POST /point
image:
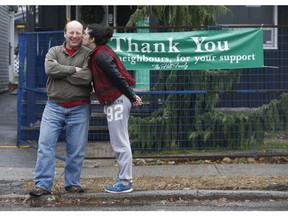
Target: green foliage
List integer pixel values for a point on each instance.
(211, 129)
(181, 118)
(190, 121)
(91, 14)
(192, 15)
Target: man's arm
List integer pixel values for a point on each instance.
(83, 76)
(55, 70)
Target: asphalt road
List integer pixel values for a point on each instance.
(8, 119)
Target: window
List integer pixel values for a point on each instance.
(254, 15)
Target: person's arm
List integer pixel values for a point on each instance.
(55, 70)
(83, 76)
(106, 63)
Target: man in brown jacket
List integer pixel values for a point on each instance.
(68, 89)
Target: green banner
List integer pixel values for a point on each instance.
(194, 50)
(142, 76)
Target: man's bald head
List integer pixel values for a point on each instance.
(73, 33)
(73, 23)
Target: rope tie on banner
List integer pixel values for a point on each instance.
(273, 67)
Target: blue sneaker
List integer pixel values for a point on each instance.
(118, 187)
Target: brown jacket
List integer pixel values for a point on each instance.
(64, 84)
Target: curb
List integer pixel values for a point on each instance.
(141, 197)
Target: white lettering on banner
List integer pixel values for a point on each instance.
(118, 47)
(146, 47)
(162, 47)
(182, 58)
(237, 58)
(209, 46)
(194, 50)
(204, 58)
(142, 58)
(171, 66)
(130, 45)
(173, 47)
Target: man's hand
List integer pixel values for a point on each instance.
(78, 69)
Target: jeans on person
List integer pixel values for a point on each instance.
(54, 118)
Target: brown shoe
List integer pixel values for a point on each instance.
(37, 191)
(74, 189)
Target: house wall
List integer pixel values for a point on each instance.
(4, 48)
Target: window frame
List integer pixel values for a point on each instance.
(271, 44)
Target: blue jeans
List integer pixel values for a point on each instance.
(54, 118)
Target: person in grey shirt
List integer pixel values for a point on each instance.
(68, 90)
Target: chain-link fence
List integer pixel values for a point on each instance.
(197, 113)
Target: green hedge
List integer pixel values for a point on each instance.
(191, 122)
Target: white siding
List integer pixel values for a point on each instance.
(4, 48)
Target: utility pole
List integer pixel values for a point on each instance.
(30, 18)
(68, 14)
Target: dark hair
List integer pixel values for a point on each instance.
(102, 34)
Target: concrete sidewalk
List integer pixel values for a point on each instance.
(14, 178)
(97, 169)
